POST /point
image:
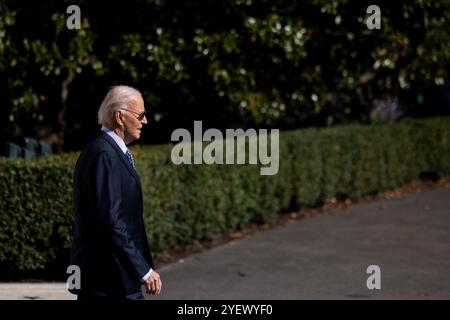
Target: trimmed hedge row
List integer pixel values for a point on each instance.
(187, 203)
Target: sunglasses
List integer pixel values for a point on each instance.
(140, 116)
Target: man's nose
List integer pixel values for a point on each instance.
(144, 120)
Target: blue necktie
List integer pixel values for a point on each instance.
(130, 158)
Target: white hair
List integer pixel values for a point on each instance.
(116, 98)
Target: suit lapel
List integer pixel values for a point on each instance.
(122, 156)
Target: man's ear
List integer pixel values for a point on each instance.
(118, 117)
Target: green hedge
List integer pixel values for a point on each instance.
(187, 203)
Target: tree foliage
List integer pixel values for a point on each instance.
(226, 62)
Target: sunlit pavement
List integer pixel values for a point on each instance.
(35, 291)
(323, 257)
(326, 256)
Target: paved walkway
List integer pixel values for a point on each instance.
(324, 257)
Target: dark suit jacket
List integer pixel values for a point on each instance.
(110, 245)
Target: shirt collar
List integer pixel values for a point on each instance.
(116, 138)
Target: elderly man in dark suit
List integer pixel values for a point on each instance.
(110, 245)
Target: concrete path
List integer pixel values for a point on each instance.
(323, 257)
(35, 291)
